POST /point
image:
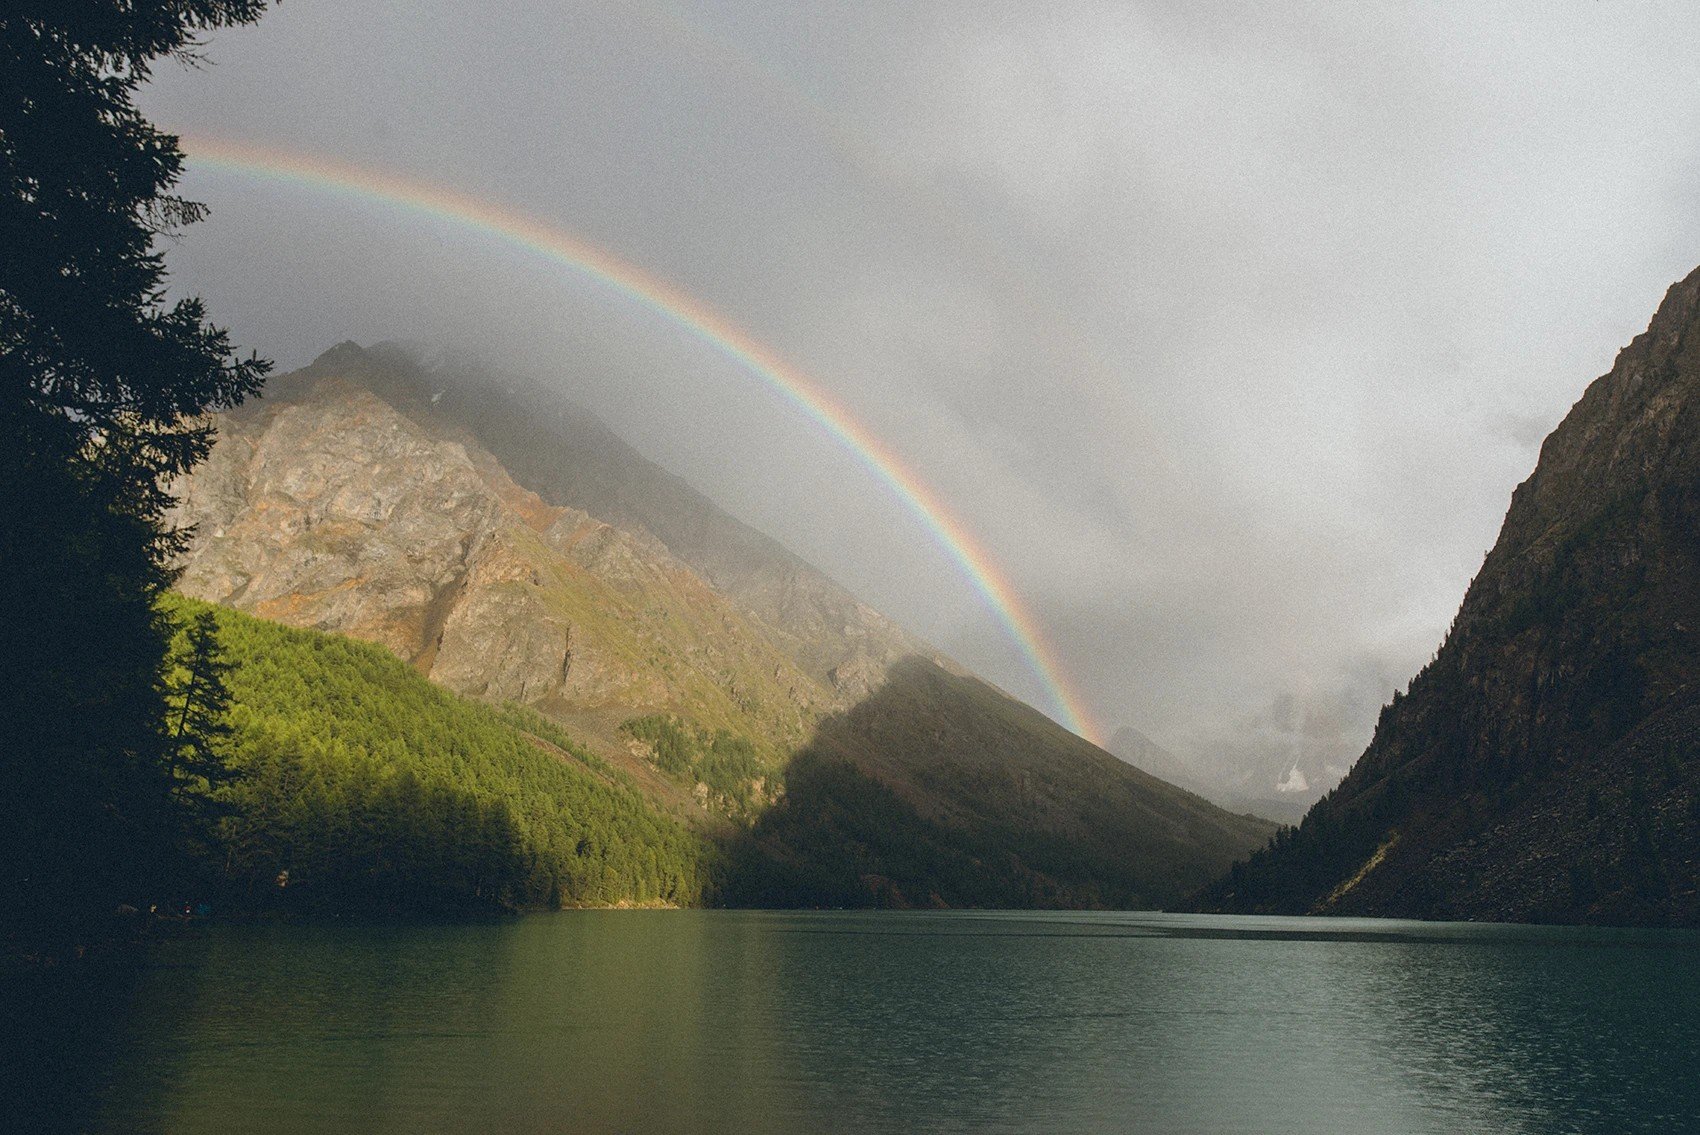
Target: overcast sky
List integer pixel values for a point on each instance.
(1228, 328)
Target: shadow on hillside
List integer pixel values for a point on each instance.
(937, 790)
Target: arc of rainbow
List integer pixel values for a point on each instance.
(516, 229)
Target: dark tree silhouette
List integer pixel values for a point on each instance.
(103, 391)
(199, 722)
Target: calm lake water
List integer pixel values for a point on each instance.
(671, 1021)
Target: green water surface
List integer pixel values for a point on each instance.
(679, 1021)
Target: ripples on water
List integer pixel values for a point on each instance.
(864, 1022)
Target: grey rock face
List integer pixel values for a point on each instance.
(337, 514)
(334, 511)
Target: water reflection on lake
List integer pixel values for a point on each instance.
(855, 1022)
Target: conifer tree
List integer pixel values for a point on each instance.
(199, 721)
(103, 390)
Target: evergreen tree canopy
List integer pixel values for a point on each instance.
(198, 719)
(103, 385)
(366, 789)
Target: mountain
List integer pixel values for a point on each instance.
(941, 790)
(509, 547)
(330, 505)
(1545, 766)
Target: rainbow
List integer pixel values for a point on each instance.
(514, 228)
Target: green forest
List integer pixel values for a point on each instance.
(358, 786)
(727, 766)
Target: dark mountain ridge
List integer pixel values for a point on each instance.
(1545, 766)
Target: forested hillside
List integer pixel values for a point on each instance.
(362, 787)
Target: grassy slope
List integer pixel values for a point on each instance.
(373, 787)
(678, 640)
(376, 789)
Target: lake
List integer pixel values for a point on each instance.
(672, 1021)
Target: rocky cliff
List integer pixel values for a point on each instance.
(1546, 764)
(512, 549)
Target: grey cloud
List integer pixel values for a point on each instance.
(1225, 327)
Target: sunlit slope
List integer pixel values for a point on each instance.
(1546, 765)
(360, 496)
(365, 788)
